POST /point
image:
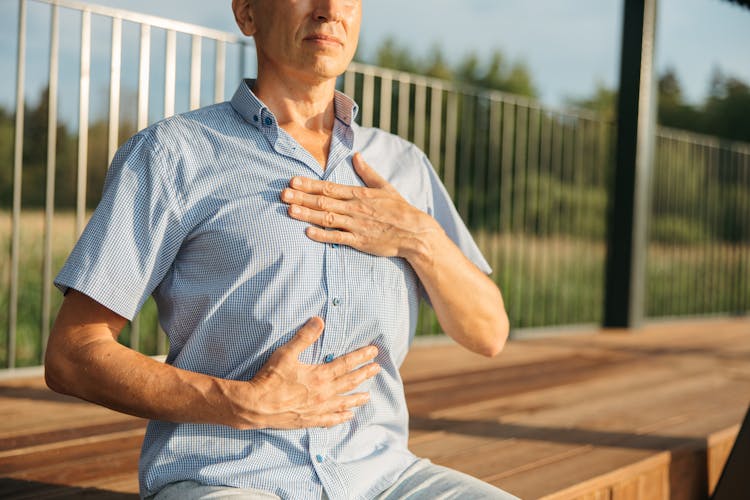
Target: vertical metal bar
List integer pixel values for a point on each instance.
(350, 83)
(567, 270)
(545, 169)
(170, 73)
(660, 203)
(144, 68)
(519, 208)
(404, 98)
(17, 179)
(195, 73)
(493, 181)
(420, 112)
(465, 166)
(114, 88)
(506, 197)
(733, 268)
(556, 177)
(530, 227)
(709, 201)
(220, 76)
(436, 125)
(368, 98)
(478, 170)
(701, 284)
(578, 232)
(241, 53)
(386, 96)
(694, 248)
(451, 121)
(675, 197)
(49, 198)
(83, 120)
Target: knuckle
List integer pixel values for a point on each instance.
(321, 203)
(329, 218)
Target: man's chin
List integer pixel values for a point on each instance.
(328, 70)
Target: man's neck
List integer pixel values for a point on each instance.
(297, 104)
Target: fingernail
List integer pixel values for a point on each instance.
(294, 209)
(286, 195)
(296, 182)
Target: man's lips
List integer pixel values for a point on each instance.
(325, 39)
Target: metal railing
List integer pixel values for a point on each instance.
(116, 18)
(531, 182)
(699, 252)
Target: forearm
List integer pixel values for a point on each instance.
(96, 368)
(468, 304)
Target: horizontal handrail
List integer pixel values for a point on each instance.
(155, 21)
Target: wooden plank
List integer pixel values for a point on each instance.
(24, 459)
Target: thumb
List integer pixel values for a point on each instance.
(368, 174)
(305, 336)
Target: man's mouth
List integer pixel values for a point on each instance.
(323, 38)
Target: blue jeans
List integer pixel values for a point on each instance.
(422, 481)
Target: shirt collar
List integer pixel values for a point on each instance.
(252, 109)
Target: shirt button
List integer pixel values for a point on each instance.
(319, 458)
(334, 245)
(336, 301)
(255, 118)
(268, 121)
(329, 358)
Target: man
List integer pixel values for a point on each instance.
(287, 273)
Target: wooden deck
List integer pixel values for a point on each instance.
(615, 415)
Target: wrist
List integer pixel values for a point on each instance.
(420, 248)
(235, 396)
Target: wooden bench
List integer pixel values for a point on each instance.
(650, 414)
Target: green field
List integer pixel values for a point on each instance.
(545, 281)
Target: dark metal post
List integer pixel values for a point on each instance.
(631, 194)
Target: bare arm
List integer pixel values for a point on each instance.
(377, 220)
(85, 360)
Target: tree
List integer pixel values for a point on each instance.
(495, 74)
(673, 110)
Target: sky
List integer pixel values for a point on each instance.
(569, 47)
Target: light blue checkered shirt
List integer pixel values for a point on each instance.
(191, 214)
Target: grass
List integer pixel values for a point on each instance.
(545, 282)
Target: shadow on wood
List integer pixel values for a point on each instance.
(17, 489)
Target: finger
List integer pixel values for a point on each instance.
(339, 403)
(369, 175)
(325, 188)
(352, 380)
(305, 336)
(349, 361)
(322, 218)
(315, 201)
(338, 237)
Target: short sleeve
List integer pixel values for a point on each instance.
(441, 208)
(133, 235)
